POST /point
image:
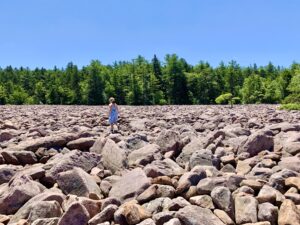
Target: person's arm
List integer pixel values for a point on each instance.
(110, 108)
(118, 110)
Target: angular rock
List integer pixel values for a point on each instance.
(77, 182)
(195, 215)
(131, 213)
(19, 157)
(147, 222)
(144, 155)
(223, 216)
(166, 167)
(173, 221)
(24, 211)
(288, 213)
(204, 201)
(245, 209)
(113, 157)
(257, 142)
(177, 203)
(64, 162)
(169, 140)
(291, 163)
(157, 205)
(17, 192)
(76, 214)
(47, 221)
(293, 182)
(7, 172)
(83, 144)
(267, 194)
(106, 214)
(202, 157)
(130, 185)
(45, 209)
(52, 141)
(268, 212)
(163, 217)
(222, 198)
(189, 179)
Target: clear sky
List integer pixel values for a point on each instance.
(38, 33)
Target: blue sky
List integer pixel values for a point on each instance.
(38, 33)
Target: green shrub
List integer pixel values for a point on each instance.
(236, 100)
(292, 98)
(224, 98)
(291, 106)
(162, 102)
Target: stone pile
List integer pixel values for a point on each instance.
(172, 165)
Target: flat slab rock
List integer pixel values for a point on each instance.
(130, 185)
(195, 215)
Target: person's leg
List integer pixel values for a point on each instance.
(111, 127)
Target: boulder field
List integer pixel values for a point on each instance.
(172, 165)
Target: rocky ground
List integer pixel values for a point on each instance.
(172, 165)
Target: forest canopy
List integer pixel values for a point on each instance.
(144, 82)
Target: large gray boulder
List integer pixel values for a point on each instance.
(257, 142)
(64, 162)
(113, 157)
(76, 214)
(83, 144)
(45, 209)
(17, 192)
(58, 140)
(291, 163)
(144, 155)
(288, 142)
(245, 209)
(24, 211)
(222, 198)
(130, 185)
(166, 167)
(268, 212)
(195, 215)
(7, 172)
(19, 157)
(169, 140)
(77, 182)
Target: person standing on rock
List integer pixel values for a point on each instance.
(113, 114)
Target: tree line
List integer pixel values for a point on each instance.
(143, 82)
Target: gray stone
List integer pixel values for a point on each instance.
(268, 212)
(17, 192)
(166, 167)
(64, 162)
(106, 214)
(130, 185)
(222, 198)
(195, 215)
(245, 209)
(257, 142)
(76, 214)
(144, 155)
(77, 182)
(113, 157)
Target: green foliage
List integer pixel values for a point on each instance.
(143, 82)
(290, 106)
(236, 100)
(294, 88)
(224, 99)
(18, 96)
(2, 95)
(253, 90)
